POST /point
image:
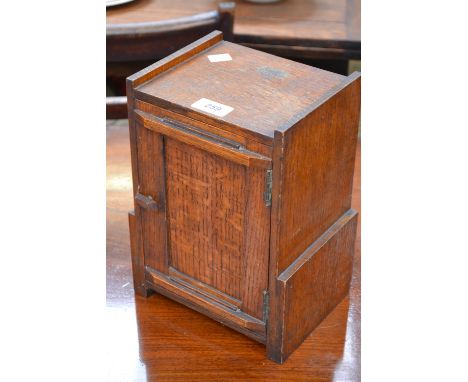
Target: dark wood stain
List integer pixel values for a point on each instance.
(316, 28)
(321, 33)
(143, 39)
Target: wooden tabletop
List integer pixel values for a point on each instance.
(274, 94)
(156, 339)
(306, 28)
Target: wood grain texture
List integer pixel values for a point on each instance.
(151, 174)
(206, 216)
(192, 297)
(247, 141)
(138, 263)
(201, 139)
(213, 185)
(218, 222)
(204, 289)
(256, 248)
(135, 226)
(272, 90)
(173, 59)
(212, 242)
(146, 338)
(317, 161)
(321, 33)
(312, 286)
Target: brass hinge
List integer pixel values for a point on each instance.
(266, 305)
(268, 187)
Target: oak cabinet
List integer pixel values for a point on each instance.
(242, 175)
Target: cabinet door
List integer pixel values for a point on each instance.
(205, 217)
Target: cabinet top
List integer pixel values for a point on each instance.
(234, 86)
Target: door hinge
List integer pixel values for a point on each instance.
(268, 187)
(266, 305)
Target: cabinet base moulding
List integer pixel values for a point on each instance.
(305, 293)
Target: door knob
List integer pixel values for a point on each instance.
(146, 202)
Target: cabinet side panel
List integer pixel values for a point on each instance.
(317, 282)
(318, 162)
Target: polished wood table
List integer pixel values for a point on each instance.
(157, 339)
(324, 33)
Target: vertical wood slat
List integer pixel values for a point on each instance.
(137, 248)
(274, 324)
(151, 182)
(256, 249)
(138, 266)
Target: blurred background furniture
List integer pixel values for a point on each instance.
(134, 42)
(116, 107)
(323, 33)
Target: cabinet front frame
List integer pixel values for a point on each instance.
(246, 313)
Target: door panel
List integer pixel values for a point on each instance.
(211, 231)
(206, 210)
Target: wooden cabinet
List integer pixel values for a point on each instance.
(242, 174)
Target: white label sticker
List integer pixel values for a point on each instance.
(219, 57)
(212, 107)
